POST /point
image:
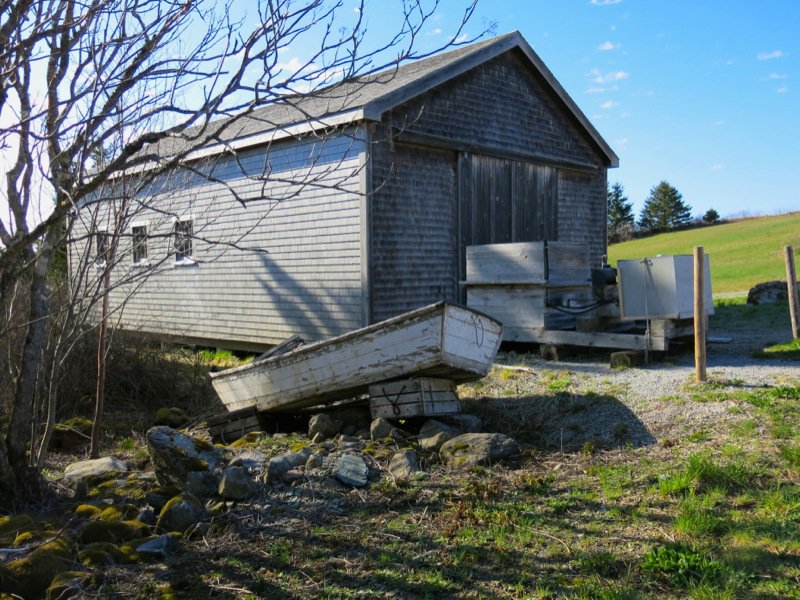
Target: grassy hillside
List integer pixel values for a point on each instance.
(742, 253)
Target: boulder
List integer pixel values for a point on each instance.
(252, 461)
(769, 292)
(404, 465)
(471, 449)
(434, 442)
(236, 484)
(380, 429)
(89, 472)
(171, 416)
(31, 575)
(113, 531)
(180, 513)
(315, 461)
(352, 470)
(184, 462)
(160, 547)
(434, 426)
(463, 422)
(283, 463)
(69, 584)
(71, 434)
(325, 425)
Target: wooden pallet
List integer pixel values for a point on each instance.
(418, 397)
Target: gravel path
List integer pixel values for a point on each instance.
(646, 405)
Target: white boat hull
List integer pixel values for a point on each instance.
(441, 340)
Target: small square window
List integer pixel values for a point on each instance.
(183, 241)
(139, 234)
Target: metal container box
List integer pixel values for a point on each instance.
(661, 287)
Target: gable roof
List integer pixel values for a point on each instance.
(371, 96)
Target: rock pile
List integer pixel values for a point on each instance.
(124, 516)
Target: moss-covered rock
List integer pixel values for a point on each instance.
(113, 531)
(71, 434)
(158, 497)
(69, 584)
(100, 554)
(171, 416)
(11, 527)
(88, 511)
(26, 538)
(249, 440)
(180, 513)
(184, 461)
(119, 512)
(31, 575)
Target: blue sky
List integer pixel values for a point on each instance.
(703, 94)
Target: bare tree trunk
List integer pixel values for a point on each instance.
(24, 481)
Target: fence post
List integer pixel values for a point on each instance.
(791, 283)
(699, 314)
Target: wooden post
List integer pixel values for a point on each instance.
(791, 283)
(699, 314)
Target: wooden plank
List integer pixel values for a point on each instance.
(520, 262)
(413, 398)
(577, 338)
(567, 261)
(285, 346)
(514, 306)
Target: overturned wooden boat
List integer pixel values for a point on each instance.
(441, 340)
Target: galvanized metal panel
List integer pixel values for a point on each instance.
(661, 287)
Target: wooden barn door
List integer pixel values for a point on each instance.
(503, 201)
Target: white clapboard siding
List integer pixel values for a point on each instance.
(438, 340)
(286, 261)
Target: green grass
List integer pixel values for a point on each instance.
(742, 253)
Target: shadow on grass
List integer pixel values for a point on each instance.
(564, 422)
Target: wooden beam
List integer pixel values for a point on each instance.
(624, 341)
(427, 140)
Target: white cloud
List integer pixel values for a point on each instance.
(604, 2)
(777, 76)
(608, 104)
(719, 123)
(460, 39)
(601, 79)
(783, 89)
(602, 90)
(716, 167)
(621, 141)
(435, 31)
(770, 55)
(607, 45)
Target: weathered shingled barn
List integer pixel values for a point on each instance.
(374, 192)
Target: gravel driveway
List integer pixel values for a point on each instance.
(642, 406)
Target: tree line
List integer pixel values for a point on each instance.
(664, 210)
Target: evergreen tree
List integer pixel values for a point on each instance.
(620, 214)
(664, 209)
(711, 216)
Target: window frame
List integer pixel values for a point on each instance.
(136, 260)
(180, 244)
(101, 247)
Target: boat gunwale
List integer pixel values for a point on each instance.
(442, 306)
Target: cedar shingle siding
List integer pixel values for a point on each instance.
(479, 145)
